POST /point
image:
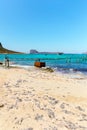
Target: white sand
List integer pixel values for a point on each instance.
(35, 99)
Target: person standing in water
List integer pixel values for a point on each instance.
(6, 62)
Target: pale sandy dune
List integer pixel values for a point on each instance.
(34, 99)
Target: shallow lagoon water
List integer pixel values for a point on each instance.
(64, 62)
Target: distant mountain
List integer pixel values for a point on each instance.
(4, 50)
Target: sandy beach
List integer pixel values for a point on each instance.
(36, 99)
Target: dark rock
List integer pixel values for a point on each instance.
(49, 69)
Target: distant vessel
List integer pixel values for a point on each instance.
(60, 53)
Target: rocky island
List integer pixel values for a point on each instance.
(33, 51)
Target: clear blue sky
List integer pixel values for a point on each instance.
(45, 25)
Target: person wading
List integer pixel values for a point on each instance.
(6, 62)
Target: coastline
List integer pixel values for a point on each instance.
(36, 99)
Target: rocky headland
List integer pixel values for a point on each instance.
(7, 51)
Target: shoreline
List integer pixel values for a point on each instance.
(36, 99)
(70, 72)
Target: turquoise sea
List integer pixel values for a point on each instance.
(64, 62)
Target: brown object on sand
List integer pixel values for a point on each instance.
(39, 64)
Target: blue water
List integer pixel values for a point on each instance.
(77, 62)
